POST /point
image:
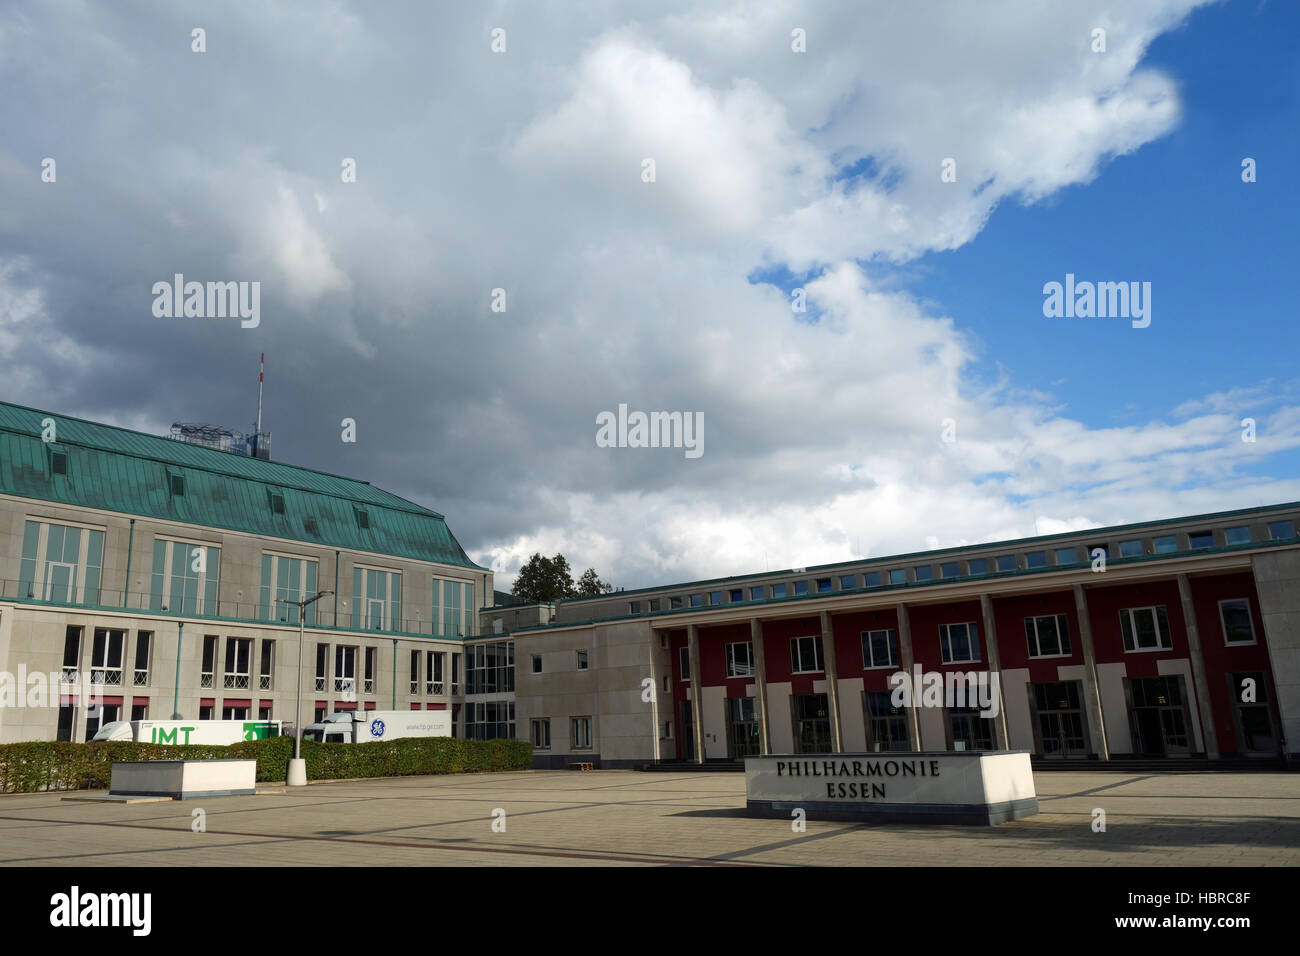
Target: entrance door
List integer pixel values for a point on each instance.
(60, 580)
(688, 731)
(742, 728)
(812, 723)
(1158, 716)
(1058, 707)
(375, 614)
(886, 724)
(1256, 734)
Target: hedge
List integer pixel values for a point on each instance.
(58, 765)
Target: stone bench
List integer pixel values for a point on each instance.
(183, 779)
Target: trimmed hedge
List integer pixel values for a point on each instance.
(58, 765)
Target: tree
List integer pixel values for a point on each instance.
(544, 579)
(589, 585)
(550, 579)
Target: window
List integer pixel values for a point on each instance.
(697, 600)
(266, 666)
(208, 674)
(715, 597)
(140, 711)
(806, 654)
(959, 642)
(363, 519)
(415, 672)
(1145, 629)
(455, 673)
(491, 667)
(376, 600)
(1166, 544)
(898, 576)
(106, 657)
(177, 485)
(1281, 530)
(371, 666)
(823, 584)
(873, 579)
(453, 608)
(778, 590)
(580, 733)
(277, 501)
(60, 563)
(758, 593)
(634, 607)
(923, 572)
(184, 577)
(59, 462)
(143, 644)
(1201, 539)
(286, 578)
(106, 714)
(740, 659)
(1130, 549)
(582, 660)
(537, 663)
(205, 712)
(239, 653)
(1237, 625)
(654, 604)
(1006, 562)
(1048, 636)
(684, 660)
(71, 656)
(1036, 559)
(345, 670)
(950, 570)
(879, 648)
(1103, 548)
(801, 587)
(979, 566)
(234, 712)
(490, 720)
(1067, 555)
(322, 665)
(848, 582)
(737, 595)
(674, 602)
(1237, 535)
(541, 734)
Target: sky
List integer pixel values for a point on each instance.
(913, 175)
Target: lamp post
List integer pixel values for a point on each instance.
(298, 766)
(176, 693)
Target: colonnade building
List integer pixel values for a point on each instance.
(1164, 638)
(154, 573)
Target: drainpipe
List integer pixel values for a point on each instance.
(130, 541)
(394, 673)
(176, 694)
(336, 589)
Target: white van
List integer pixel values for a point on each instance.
(358, 726)
(215, 732)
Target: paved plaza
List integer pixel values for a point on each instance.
(620, 817)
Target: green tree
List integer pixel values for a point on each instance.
(544, 579)
(589, 585)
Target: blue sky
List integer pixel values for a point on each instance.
(1222, 255)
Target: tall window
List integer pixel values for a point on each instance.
(1237, 625)
(880, 648)
(490, 720)
(239, 653)
(415, 672)
(1145, 629)
(433, 681)
(490, 668)
(266, 668)
(580, 733)
(684, 662)
(453, 608)
(376, 600)
(806, 654)
(184, 577)
(143, 645)
(959, 642)
(740, 659)
(1048, 636)
(208, 674)
(542, 734)
(345, 669)
(71, 656)
(322, 665)
(372, 665)
(106, 657)
(60, 563)
(286, 579)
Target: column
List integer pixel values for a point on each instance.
(1091, 688)
(906, 659)
(760, 682)
(832, 683)
(697, 691)
(1198, 669)
(995, 671)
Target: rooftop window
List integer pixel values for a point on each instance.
(1130, 549)
(1201, 539)
(924, 573)
(1237, 535)
(1281, 530)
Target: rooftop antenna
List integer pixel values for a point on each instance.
(261, 371)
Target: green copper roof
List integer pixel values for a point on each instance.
(114, 469)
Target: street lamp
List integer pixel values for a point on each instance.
(298, 766)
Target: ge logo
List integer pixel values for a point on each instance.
(376, 728)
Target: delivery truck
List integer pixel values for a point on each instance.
(358, 727)
(214, 732)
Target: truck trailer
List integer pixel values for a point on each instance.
(357, 727)
(214, 732)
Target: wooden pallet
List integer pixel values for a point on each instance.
(582, 766)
